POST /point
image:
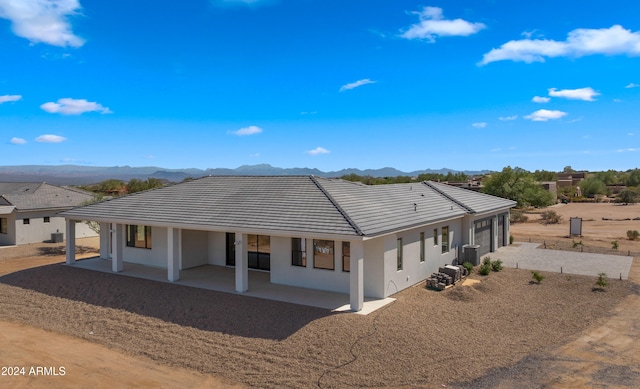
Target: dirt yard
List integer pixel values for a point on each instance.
(501, 332)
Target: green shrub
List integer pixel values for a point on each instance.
(468, 266)
(485, 269)
(537, 276)
(578, 243)
(510, 239)
(486, 261)
(602, 281)
(614, 245)
(632, 235)
(496, 265)
(550, 217)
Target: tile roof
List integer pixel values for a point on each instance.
(473, 201)
(305, 204)
(33, 196)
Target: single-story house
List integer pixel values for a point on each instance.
(29, 211)
(306, 231)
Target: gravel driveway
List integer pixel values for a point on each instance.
(532, 256)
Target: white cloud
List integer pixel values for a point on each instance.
(540, 99)
(580, 42)
(317, 151)
(251, 130)
(632, 85)
(508, 118)
(48, 138)
(43, 21)
(356, 84)
(69, 106)
(617, 100)
(629, 150)
(585, 94)
(17, 141)
(479, 125)
(630, 134)
(543, 115)
(9, 98)
(308, 113)
(432, 24)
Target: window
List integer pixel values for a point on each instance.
(346, 256)
(399, 253)
(3, 225)
(422, 247)
(299, 252)
(323, 254)
(259, 250)
(435, 236)
(26, 221)
(445, 239)
(47, 219)
(231, 249)
(139, 236)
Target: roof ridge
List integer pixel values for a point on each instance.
(449, 197)
(335, 204)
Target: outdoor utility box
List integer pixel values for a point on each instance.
(471, 253)
(56, 237)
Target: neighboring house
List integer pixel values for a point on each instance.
(28, 211)
(307, 231)
(570, 179)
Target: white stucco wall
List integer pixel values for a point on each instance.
(195, 248)
(38, 231)
(217, 248)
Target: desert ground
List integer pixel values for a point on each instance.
(503, 331)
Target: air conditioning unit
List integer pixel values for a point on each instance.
(471, 253)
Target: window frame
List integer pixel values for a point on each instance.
(422, 247)
(46, 219)
(4, 225)
(445, 242)
(133, 234)
(299, 247)
(346, 258)
(435, 237)
(399, 254)
(26, 220)
(332, 247)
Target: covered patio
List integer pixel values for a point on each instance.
(222, 279)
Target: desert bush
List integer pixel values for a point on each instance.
(510, 239)
(632, 234)
(578, 243)
(485, 269)
(486, 260)
(602, 282)
(537, 276)
(468, 266)
(518, 217)
(550, 217)
(614, 245)
(496, 265)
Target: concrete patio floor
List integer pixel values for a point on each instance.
(222, 279)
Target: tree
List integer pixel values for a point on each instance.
(627, 196)
(545, 175)
(137, 185)
(93, 225)
(633, 178)
(592, 186)
(519, 185)
(568, 169)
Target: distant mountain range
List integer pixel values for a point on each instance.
(82, 175)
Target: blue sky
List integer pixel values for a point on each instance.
(327, 84)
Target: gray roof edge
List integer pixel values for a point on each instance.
(338, 207)
(448, 197)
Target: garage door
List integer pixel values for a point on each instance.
(483, 235)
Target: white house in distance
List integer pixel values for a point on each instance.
(28, 211)
(306, 231)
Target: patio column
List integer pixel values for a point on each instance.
(356, 275)
(118, 244)
(105, 234)
(173, 254)
(242, 264)
(71, 241)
